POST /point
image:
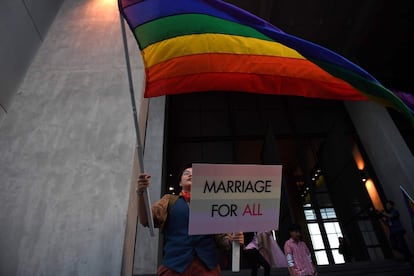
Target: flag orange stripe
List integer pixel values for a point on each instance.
(260, 66)
(246, 64)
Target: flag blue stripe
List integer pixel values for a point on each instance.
(149, 10)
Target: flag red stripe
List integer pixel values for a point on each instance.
(253, 83)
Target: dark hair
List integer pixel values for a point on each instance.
(294, 227)
(182, 169)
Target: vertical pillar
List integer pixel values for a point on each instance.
(388, 153)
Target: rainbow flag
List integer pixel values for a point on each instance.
(210, 45)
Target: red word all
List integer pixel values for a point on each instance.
(253, 210)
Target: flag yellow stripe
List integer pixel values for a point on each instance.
(213, 43)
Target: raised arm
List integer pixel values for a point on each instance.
(142, 184)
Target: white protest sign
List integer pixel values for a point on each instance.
(234, 198)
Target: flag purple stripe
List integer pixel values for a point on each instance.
(406, 97)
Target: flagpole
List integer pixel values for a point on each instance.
(406, 193)
(138, 136)
(235, 257)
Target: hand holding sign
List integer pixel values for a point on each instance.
(238, 237)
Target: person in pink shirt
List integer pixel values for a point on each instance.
(298, 255)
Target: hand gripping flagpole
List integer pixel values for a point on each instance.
(138, 136)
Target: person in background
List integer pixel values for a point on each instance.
(264, 251)
(183, 254)
(345, 249)
(298, 255)
(254, 257)
(396, 231)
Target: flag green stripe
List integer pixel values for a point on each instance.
(367, 87)
(187, 24)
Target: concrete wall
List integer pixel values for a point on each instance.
(23, 26)
(66, 149)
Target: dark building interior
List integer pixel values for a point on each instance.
(313, 139)
(374, 34)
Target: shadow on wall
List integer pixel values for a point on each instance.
(25, 38)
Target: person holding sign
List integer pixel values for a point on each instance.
(297, 254)
(183, 254)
